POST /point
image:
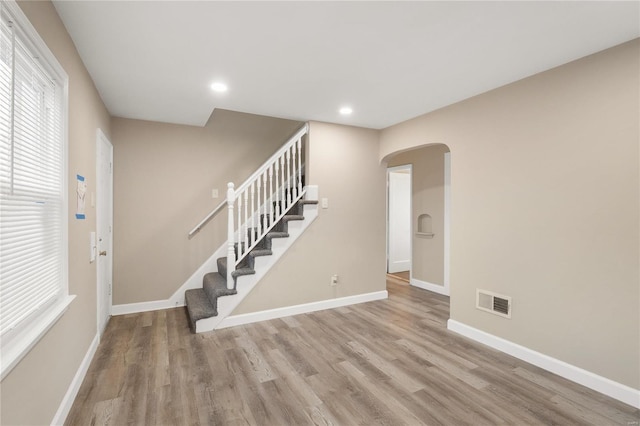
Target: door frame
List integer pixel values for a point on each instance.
(447, 222)
(102, 142)
(389, 171)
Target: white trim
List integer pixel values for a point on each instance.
(436, 288)
(447, 221)
(615, 390)
(74, 386)
(304, 308)
(21, 344)
(134, 308)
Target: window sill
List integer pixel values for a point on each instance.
(20, 346)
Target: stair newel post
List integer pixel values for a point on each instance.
(299, 166)
(231, 254)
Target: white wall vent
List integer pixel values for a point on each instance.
(493, 303)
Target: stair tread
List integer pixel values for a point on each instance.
(215, 285)
(308, 201)
(242, 271)
(277, 234)
(260, 252)
(289, 217)
(198, 306)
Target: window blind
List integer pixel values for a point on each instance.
(31, 181)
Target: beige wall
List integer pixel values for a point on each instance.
(427, 188)
(32, 392)
(545, 199)
(347, 239)
(163, 177)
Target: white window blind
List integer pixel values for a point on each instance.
(32, 168)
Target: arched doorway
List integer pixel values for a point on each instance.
(430, 215)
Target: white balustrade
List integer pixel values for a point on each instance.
(261, 201)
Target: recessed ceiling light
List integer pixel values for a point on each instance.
(346, 110)
(219, 87)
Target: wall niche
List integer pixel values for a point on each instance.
(425, 226)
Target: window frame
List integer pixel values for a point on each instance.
(16, 343)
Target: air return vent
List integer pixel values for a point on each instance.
(494, 303)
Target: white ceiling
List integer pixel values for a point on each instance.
(390, 61)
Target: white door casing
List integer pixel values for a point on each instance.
(399, 219)
(104, 224)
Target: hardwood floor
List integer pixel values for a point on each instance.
(402, 276)
(388, 362)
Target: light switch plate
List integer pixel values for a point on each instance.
(214, 193)
(325, 203)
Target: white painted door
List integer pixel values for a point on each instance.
(104, 224)
(399, 239)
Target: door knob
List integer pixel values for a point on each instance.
(103, 253)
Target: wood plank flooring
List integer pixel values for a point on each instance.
(389, 362)
(402, 276)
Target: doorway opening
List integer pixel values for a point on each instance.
(399, 221)
(428, 221)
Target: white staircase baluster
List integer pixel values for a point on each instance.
(246, 220)
(271, 207)
(253, 214)
(231, 255)
(239, 238)
(288, 186)
(294, 182)
(264, 205)
(283, 208)
(277, 205)
(256, 213)
(298, 144)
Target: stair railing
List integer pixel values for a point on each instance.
(261, 201)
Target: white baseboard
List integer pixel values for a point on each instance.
(440, 289)
(304, 308)
(615, 390)
(74, 387)
(134, 308)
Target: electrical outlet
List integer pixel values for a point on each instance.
(334, 280)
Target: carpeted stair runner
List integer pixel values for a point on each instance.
(203, 302)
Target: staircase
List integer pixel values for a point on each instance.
(266, 204)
